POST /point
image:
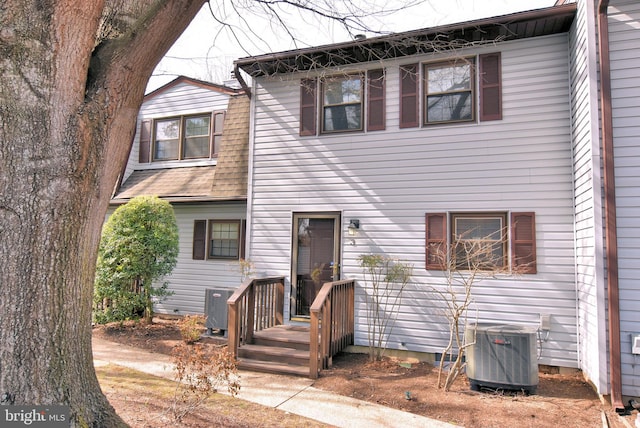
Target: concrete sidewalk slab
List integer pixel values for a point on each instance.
(287, 393)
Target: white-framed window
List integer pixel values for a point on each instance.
(224, 239)
(479, 240)
(184, 137)
(218, 239)
(342, 103)
(197, 137)
(449, 89)
(166, 142)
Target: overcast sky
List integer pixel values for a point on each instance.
(206, 50)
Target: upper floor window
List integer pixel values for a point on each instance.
(196, 137)
(346, 102)
(460, 90)
(182, 137)
(448, 92)
(167, 139)
(342, 103)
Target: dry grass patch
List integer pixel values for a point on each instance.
(143, 401)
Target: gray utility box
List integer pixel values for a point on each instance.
(215, 309)
(503, 357)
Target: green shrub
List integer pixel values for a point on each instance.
(139, 246)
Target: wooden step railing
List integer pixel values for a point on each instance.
(257, 305)
(332, 324)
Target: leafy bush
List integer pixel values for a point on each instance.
(139, 246)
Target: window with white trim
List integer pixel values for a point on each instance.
(479, 241)
(181, 137)
(342, 98)
(218, 239)
(449, 92)
(224, 239)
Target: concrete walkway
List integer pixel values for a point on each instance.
(287, 393)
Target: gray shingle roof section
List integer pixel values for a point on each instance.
(169, 182)
(233, 160)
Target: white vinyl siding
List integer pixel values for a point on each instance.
(590, 278)
(624, 32)
(390, 179)
(191, 278)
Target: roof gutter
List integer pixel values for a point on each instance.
(611, 235)
(426, 40)
(186, 199)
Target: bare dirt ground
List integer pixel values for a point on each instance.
(560, 400)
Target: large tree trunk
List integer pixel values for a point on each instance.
(72, 78)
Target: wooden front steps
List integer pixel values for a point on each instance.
(258, 341)
(282, 349)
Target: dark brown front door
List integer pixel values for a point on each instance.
(315, 257)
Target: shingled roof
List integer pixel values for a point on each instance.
(169, 183)
(233, 161)
(225, 181)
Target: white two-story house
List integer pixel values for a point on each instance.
(405, 144)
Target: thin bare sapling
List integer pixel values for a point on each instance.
(385, 280)
(466, 261)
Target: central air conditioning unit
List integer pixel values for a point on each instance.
(216, 309)
(503, 357)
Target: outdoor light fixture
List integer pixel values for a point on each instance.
(354, 225)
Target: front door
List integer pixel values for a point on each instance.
(316, 255)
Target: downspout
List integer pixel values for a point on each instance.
(611, 235)
(243, 84)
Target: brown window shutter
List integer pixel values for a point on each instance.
(436, 241)
(199, 239)
(409, 96)
(243, 238)
(523, 242)
(145, 141)
(376, 101)
(490, 87)
(308, 107)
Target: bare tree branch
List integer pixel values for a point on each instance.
(286, 15)
(466, 262)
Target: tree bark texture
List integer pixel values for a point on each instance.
(72, 78)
